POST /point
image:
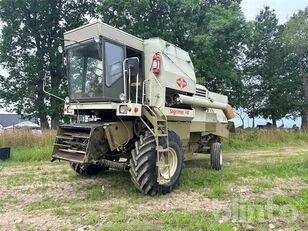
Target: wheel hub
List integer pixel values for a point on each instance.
(169, 162)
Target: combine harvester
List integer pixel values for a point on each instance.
(137, 108)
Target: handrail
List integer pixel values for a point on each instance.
(124, 78)
(153, 113)
(129, 79)
(143, 89)
(161, 87)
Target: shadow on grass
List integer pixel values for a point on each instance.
(198, 162)
(109, 185)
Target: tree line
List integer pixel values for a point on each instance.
(261, 65)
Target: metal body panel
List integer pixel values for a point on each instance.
(93, 106)
(176, 70)
(183, 130)
(97, 29)
(118, 133)
(177, 114)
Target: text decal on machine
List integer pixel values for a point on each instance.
(181, 83)
(178, 112)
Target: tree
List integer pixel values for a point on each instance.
(28, 50)
(213, 31)
(168, 19)
(272, 83)
(217, 43)
(296, 38)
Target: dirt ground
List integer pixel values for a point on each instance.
(50, 196)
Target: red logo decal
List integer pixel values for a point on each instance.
(181, 83)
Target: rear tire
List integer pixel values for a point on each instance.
(87, 170)
(216, 156)
(143, 168)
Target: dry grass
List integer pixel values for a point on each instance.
(27, 145)
(24, 138)
(256, 138)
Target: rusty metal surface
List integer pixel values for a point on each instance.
(88, 142)
(80, 142)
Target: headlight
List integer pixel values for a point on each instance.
(122, 97)
(123, 109)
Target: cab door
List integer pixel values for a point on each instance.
(114, 55)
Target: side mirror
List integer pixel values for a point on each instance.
(133, 65)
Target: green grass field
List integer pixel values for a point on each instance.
(32, 147)
(262, 186)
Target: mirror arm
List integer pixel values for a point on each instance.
(48, 93)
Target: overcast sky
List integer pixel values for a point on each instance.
(284, 9)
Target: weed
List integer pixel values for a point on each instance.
(92, 219)
(281, 200)
(117, 208)
(59, 211)
(6, 200)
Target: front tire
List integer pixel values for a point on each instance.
(143, 168)
(216, 156)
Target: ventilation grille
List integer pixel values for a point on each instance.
(201, 92)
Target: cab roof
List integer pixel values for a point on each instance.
(96, 29)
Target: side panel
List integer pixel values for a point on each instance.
(176, 71)
(182, 129)
(207, 122)
(119, 133)
(178, 114)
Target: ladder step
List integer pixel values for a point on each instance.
(68, 157)
(68, 142)
(72, 151)
(78, 135)
(64, 137)
(62, 145)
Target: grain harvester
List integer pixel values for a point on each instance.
(136, 107)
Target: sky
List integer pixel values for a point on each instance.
(284, 10)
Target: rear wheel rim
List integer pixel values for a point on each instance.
(168, 158)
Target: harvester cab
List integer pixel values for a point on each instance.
(136, 107)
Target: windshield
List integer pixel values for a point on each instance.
(85, 71)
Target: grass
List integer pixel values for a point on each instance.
(87, 205)
(24, 138)
(110, 201)
(255, 138)
(259, 176)
(172, 220)
(28, 146)
(7, 200)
